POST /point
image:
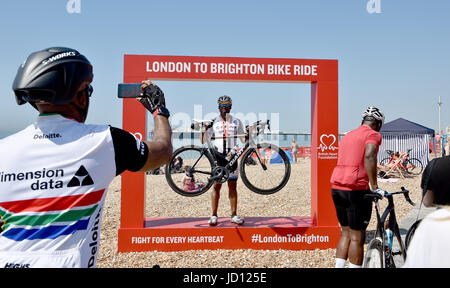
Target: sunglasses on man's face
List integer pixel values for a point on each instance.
(88, 90)
(225, 106)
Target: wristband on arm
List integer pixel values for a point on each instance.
(163, 111)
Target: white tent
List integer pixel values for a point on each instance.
(401, 135)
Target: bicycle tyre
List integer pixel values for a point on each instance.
(374, 254)
(413, 166)
(410, 233)
(250, 176)
(174, 177)
(385, 161)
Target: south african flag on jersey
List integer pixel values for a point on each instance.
(47, 218)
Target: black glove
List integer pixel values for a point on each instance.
(152, 98)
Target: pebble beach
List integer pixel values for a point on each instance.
(292, 200)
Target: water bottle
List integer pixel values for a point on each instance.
(390, 235)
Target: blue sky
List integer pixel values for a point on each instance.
(397, 60)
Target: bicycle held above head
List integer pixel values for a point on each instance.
(264, 167)
(401, 160)
(382, 249)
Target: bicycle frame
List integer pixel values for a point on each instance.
(249, 141)
(392, 225)
(405, 157)
(403, 165)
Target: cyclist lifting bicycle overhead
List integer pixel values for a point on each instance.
(225, 128)
(207, 166)
(355, 176)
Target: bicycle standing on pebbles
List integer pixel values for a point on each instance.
(382, 250)
(264, 167)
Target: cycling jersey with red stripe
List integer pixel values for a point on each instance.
(53, 180)
(224, 132)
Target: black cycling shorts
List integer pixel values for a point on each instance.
(352, 209)
(221, 161)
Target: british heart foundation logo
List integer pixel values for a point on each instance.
(328, 144)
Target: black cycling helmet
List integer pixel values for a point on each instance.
(52, 75)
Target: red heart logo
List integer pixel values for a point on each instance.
(327, 140)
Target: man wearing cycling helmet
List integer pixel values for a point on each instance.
(55, 172)
(355, 176)
(429, 246)
(225, 129)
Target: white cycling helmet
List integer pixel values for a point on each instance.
(373, 112)
(224, 99)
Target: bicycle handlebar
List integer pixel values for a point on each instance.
(258, 126)
(198, 124)
(404, 192)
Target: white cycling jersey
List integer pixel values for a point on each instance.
(224, 132)
(53, 180)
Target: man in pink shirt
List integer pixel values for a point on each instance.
(355, 176)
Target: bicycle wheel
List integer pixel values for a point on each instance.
(374, 254)
(385, 161)
(413, 166)
(192, 179)
(410, 233)
(265, 169)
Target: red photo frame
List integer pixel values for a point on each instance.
(318, 231)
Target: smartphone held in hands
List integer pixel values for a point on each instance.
(129, 90)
